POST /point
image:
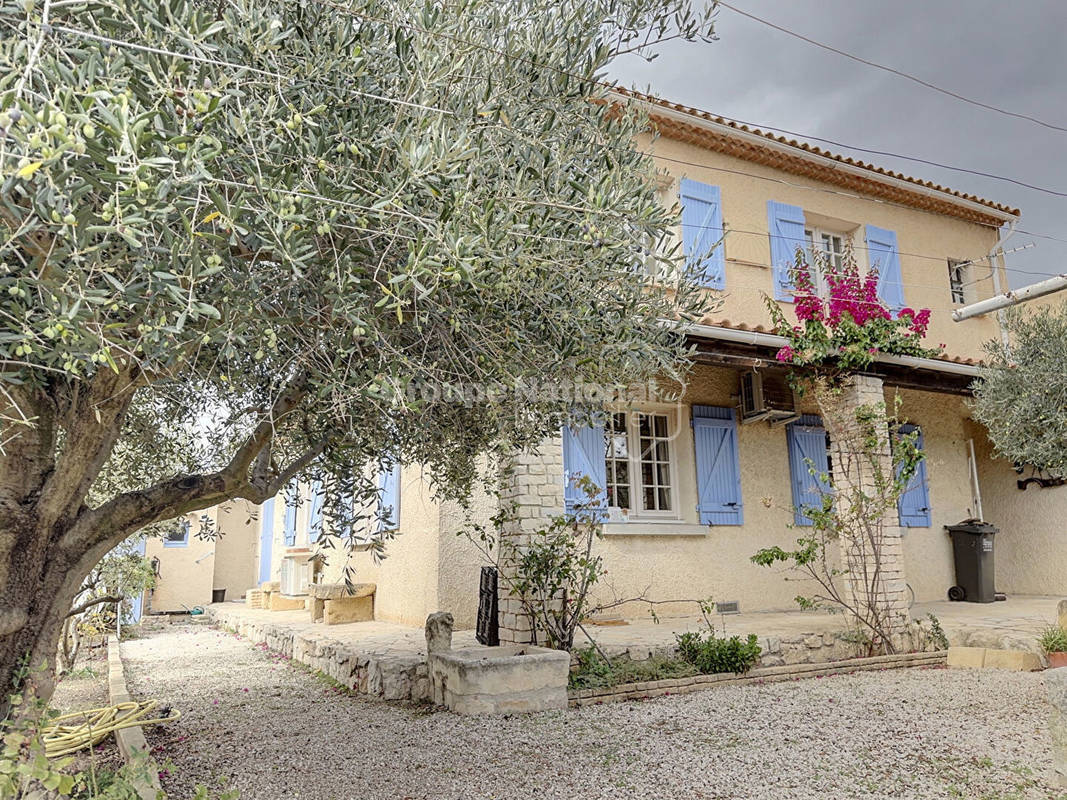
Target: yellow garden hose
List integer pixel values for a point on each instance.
(72, 732)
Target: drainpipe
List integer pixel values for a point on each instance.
(975, 485)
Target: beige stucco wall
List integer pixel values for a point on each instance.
(1031, 548)
(747, 243)
(236, 548)
(407, 576)
(461, 557)
(186, 574)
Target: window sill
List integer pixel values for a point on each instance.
(648, 527)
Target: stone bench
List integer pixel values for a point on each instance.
(334, 603)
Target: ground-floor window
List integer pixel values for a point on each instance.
(638, 461)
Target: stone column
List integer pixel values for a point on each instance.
(534, 490)
(851, 470)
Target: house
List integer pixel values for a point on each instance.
(192, 567)
(696, 487)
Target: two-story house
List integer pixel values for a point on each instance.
(695, 487)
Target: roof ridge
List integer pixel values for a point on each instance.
(814, 150)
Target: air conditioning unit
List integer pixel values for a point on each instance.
(296, 574)
(767, 396)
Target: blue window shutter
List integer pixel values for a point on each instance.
(786, 224)
(807, 443)
(583, 454)
(702, 232)
(883, 256)
(315, 515)
(389, 498)
(913, 507)
(718, 466)
(291, 500)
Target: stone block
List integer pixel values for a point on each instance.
(438, 632)
(286, 602)
(500, 680)
(966, 657)
(348, 609)
(1012, 659)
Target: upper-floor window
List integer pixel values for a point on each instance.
(827, 252)
(958, 273)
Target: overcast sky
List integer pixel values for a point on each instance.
(1011, 55)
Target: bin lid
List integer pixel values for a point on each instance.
(975, 526)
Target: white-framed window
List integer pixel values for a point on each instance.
(178, 537)
(640, 463)
(827, 251)
(958, 275)
(617, 461)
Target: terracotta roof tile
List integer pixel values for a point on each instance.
(899, 194)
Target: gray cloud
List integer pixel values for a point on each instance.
(1009, 55)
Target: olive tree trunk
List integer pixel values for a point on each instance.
(51, 538)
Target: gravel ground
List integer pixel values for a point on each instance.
(82, 690)
(254, 722)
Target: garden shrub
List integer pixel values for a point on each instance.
(594, 672)
(711, 655)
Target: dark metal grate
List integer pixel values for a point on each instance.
(488, 632)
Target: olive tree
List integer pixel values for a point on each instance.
(251, 241)
(1020, 397)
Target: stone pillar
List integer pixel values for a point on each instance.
(438, 632)
(533, 489)
(1056, 685)
(848, 437)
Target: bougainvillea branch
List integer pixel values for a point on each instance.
(843, 328)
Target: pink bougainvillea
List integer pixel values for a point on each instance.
(845, 326)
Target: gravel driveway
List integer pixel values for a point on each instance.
(255, 723)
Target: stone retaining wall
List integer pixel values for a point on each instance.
(403, 676)
(696, 683)
(777, 651)
(387, 676)
(131, 741)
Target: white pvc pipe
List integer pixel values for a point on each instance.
(1011, 298)
(977, 489)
